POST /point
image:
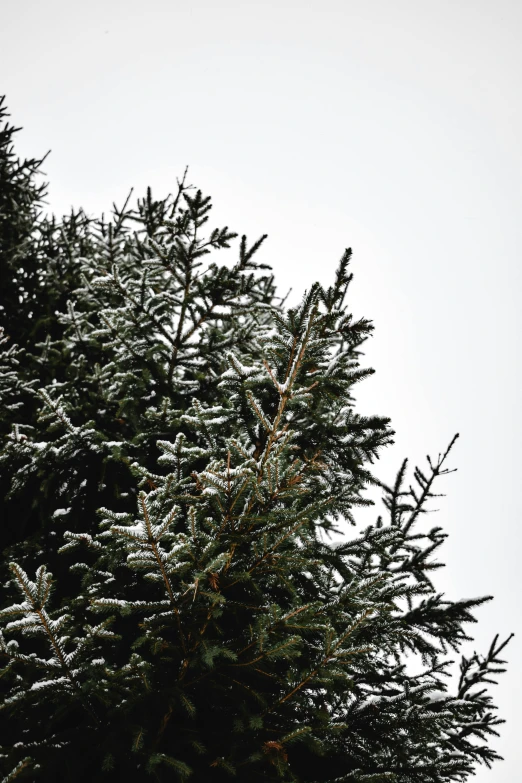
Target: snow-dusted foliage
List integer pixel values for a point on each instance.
(179, 467)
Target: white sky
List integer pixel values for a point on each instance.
(392, 127)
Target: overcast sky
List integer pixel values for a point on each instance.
(392, 127)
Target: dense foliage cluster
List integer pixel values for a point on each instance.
(179, 447)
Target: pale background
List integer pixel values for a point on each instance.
(392, 127)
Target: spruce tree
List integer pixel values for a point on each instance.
(36, 267)
(182, 446)
(38, 272)
(20, 197)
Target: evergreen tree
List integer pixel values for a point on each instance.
(20, 197)
(38, 272)
(181, 447)
(37, 268)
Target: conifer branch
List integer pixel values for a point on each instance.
(264, 632)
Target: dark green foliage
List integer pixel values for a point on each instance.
(38, 268)
(179, 448)
(20, 198)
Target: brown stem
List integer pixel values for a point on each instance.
(166, 580)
